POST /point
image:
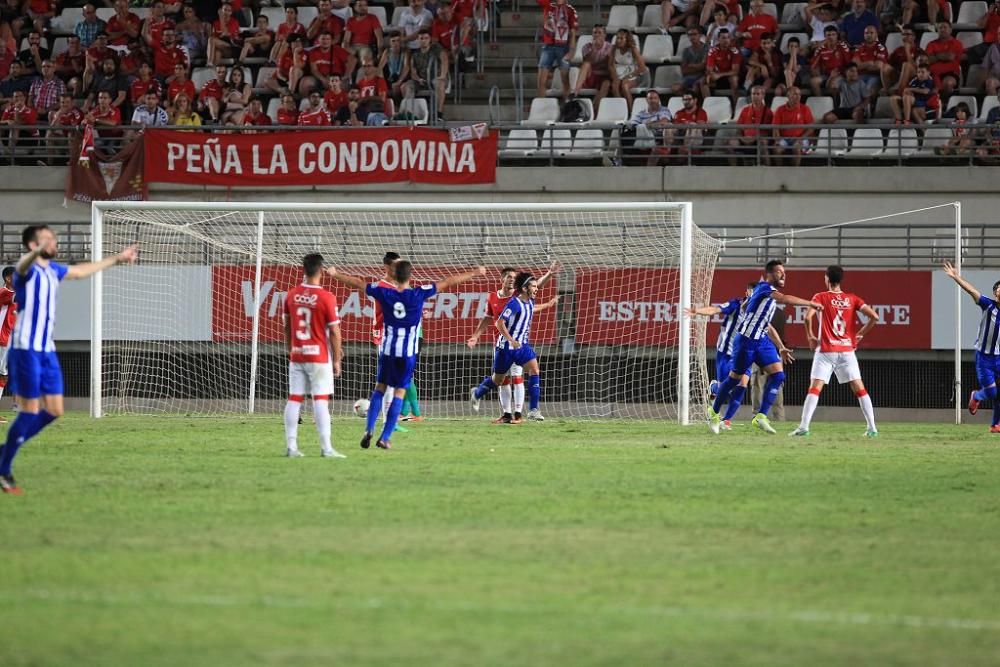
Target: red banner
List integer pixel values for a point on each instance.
(629, 306)
(97, 176)
(329, 157)
(449, 317)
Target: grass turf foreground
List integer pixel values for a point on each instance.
(143, 541)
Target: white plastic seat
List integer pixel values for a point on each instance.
(652, 19)
(587, 144)
(819, 105)
(275, 16)
(520, 143)
(970, 38)
(416, 106)
(934, 137)
(202, 75)
(778, 101)
(555, 142)
(718, 109)
(969, 13)
(902, 142)
(105, 13)
(613, 110)
(272, 109)
(66, 20)
(379, 12)
(866, 142)
(831, 142)
(639, 104)
(893, 41)
(588, 105)
(665, 78)
(803, 41)
(772, 9)
(59, 45)
(988, 103)
(397, 12)
(622, 16)
(658, 49)
(740, 103)
(970, 100)
(307, 14)
(675, 104)
(791, 16)
(263, 74)
(883, 108)
(544, 110)
(580, 43)
(926, 38)
(683, 42)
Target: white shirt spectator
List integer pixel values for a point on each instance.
(143, 116)
(643, 116)
(411, 23)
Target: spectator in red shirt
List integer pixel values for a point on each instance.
(751, 139)
(989, 23)
(104, 116)
(258, 43)
(124, 26)
(286, 29)
(40, 12)
(690, 114)
(325, 22)
(374, 90)
(167, 56)
(99, 51)
(912, 10)
(324, 60)
(255, 116)
(210, 95)
(290, 67)
(155, 25)
(7, 56)
(225, 38)
(336, 96)
(559, 31)
(70, 65)
(828, 61)
(872, 59)
(18, 113)
(595, 68)
(444, 29)
(314, 114)
(765, 67)
(180, 83)
(945, 55)
(363, 33)
(143, 84)
(137, 54)
(722, 67)
(288, 112)
(904, 59)
(754, 26)
(65, 116)
(794, 139)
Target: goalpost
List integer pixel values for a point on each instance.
(195, 327)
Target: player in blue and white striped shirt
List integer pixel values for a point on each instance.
(402, 312)
(752, 344)
(514, 325)
(731, 313)
(987, 345)
(35, 377)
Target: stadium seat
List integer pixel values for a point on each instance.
(777, 101)
(926, 38)
(580, 43)
(803, 40)
(867, 142)
(969, 100)
(639, 104)
(613, 111)
(24, 43)
(740, 103)
(64, 22)
(272, 109)
(819, 105)
(555, 142)
(275, 16)
(544, 111)
(652, 19)
(202, 75)
(263, 74)
(969, 13)
(416, 106)
(105, 13)
(587, 144)
(307, 14)
(683, 43)
(665, 78)
(397, 12)
(831, 142)
(519, 143)
(883, 108)
(893, 41)
(588, 105)
(658, 49)
(791, 16)
(902, 142)
(59, 45)
(772, 9)
(379, 12)
(675, 104)
(934, 137)
(970, 38)
(718, 109)
(622, 16)
(988, 103)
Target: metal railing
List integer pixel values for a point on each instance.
(517, 82)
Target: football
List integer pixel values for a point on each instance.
(361, 407)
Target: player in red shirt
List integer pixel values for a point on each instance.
(828, 61)
(835, 347)
(312, 337)
(755, 24)
(722, 66)
(873, 62)
(945, 55)
(795, 139)
(8, 315)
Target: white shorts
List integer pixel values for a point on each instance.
(516, 371)
(3, 359)
(310, 378)
(845, 364)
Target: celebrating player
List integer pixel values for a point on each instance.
(747, 348)
(8, 315)
(731, 313)
(35, 377)
(512, 389)
(987, 346)
(514, 325)
(312, 337)
(835, 348)
(388, 260)
(402, 309)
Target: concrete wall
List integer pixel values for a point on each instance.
(722, 195)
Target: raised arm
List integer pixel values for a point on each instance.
(548, 304)
(702, 310)
(554, 268)
(460, 278)
(873, 319)
(352, 281)
(481, 328)
(87, 269)
(953, 273)
(789, 300)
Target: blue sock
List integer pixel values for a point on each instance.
(986, 393)
(735, 400)
(996, 413)
(771, 387)
(485, 386)
(374, 410)
(42, 420)
(724, 390)
(534, 391)
(391, 417)
(16, 437)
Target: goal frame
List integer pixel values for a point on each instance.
(97, 253)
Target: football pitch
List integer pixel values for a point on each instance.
(172, 541)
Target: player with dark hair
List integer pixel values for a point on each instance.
(402, 309)
(387, 280)
(987, 345)
(835, 344)
(731, 313)
(312, 338)
(750, 346)
(35, 376)
(8, 315)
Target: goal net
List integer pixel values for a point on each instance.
(195, 327)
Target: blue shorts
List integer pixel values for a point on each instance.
(723, 364)
(987, 368)
(553, 56)
(34, 374)
(503, 359)
(395, 371)
(747, 352)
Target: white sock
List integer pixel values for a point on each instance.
(292, 409)
(518, 396)
(1, 390)
(808, 408)
(504, 393)
(390, 393)
(868, 410)
(321, 412)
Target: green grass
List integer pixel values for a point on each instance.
(193, 542)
